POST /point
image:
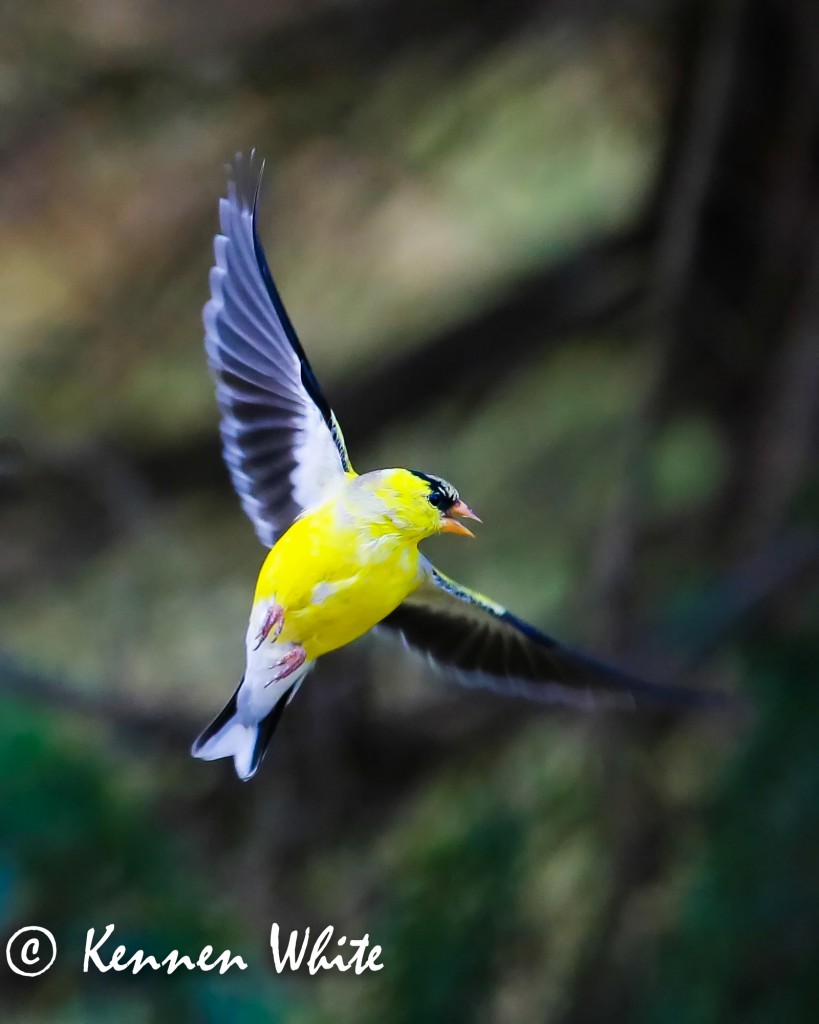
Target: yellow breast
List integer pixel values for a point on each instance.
(335, 580)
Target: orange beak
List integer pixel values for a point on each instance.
(451, 525)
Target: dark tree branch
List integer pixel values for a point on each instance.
(783, 449)
(129, 716)
(703, 101)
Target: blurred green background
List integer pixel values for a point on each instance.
(562, 254)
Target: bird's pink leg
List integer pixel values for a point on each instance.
(273, 623)
(287, 664)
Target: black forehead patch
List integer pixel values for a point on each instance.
(438, 485)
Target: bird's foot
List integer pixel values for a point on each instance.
(273, 624)
(287, 664)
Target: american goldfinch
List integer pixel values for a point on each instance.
(343, 549)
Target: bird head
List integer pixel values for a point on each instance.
(420, 505)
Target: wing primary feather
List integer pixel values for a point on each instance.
(281, 442)
(311, 385)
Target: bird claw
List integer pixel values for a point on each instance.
(287, 664)
(273, 623)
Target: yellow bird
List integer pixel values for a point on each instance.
(344, 551)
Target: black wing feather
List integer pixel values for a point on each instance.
(484, 644)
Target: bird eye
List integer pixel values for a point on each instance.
(437, 499)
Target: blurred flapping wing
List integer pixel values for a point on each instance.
(483, 644)
(280, 439)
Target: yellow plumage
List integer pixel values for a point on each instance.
(341, 568)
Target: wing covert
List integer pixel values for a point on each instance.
(280, 440)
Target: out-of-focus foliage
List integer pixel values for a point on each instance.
(83, 846)
(576, 252)
(452, 902)
(746, 934)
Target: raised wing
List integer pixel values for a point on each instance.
(280, 439)
(483, 644)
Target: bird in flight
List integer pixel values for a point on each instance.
(343, 548)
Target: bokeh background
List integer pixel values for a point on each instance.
(563, 254)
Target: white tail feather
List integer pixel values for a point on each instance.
(243, 728)
(234, 740)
